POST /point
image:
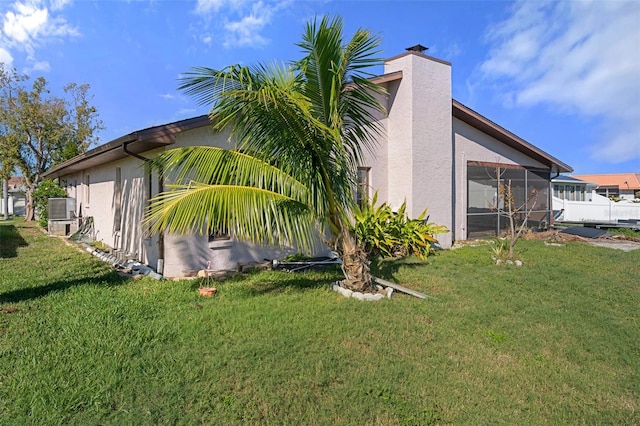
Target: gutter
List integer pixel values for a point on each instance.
(160, 265)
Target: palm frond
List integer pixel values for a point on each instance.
(218, 166)
(251, 214)
(312, 120)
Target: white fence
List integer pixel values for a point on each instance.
(599, 209)
(16, 204)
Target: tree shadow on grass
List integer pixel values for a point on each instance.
(10, 240)
(295, 281)
(387, 269)
(109, 279)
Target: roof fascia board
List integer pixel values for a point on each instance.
(386, 78)
(109, 146)
(422, 55)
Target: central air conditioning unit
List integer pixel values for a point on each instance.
(62, 208)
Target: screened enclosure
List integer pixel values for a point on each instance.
(486, 209)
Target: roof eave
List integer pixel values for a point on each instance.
(498, 132)
(136, 142)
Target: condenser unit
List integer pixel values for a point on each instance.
(62, 208)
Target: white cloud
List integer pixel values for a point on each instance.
(25, 23)
(167, 96)
(28, 25)
(208, 6)
(5, 57)
(59, 4)
(185, 112)
(42, 66)
(246, 31)
(244, 20)
(582, 58)
(453, 50)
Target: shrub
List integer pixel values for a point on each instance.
(385, 233)
(46, 189)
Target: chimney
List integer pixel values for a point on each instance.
(417, 48)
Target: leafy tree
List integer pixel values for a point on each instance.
(300, 132)
(39, 130)
(8, 142)
(517, 214)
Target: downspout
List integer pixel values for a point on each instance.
(160, 265)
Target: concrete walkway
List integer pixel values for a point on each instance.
(618, 245)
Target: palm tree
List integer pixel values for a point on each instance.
(300, 132)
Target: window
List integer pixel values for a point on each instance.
(218, 235)
(362, 190)
(570, 192)
(220, 240)
(608, 191)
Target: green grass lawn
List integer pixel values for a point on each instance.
(556, 341)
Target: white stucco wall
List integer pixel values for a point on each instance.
(377, 159)
(98, 201)
(181, 252)
(194, 252)
(418, 150)
(471, 144)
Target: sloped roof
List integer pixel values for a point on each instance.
(137, 142)
(568, 179)
(498, 132)
(16, 182)
(621, 180)
(158, 136)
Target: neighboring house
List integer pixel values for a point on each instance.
(572, 189)
(17, 197)
(576, 200)
(435, 153)
(620, 185)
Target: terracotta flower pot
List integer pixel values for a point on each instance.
(207, 291)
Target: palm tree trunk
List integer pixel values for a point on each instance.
(355, 265)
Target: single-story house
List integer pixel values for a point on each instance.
(575, 200)
(622, 185)
(17, 198)
(435, 153)
(572, 189)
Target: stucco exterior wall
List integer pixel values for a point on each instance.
(471, 144)
(377, 159)
(194, 252)
(421, 157)
(418, 150)
(98, 200)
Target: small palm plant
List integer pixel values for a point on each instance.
(299, 131)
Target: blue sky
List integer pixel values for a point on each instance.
(565, 76)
